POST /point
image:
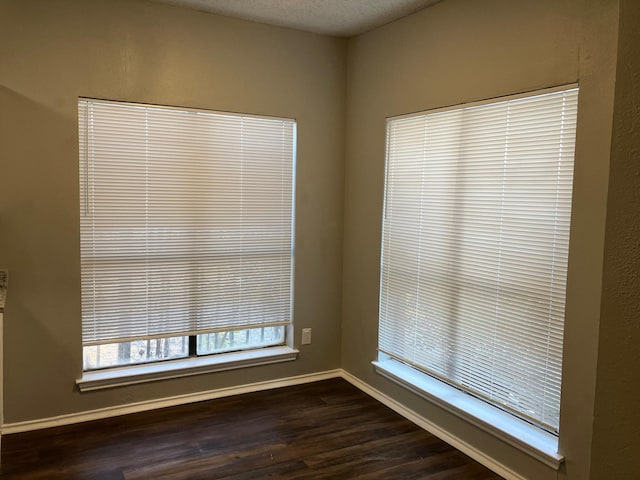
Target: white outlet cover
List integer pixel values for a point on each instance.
(306, 336)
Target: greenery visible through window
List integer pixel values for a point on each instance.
(170, 348)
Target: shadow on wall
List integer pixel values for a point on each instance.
(39, 207)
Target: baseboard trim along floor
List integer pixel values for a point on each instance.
(433, 429)
(137, 407)
(144, 406)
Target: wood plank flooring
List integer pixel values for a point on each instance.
(322, 430)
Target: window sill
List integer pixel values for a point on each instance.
(531, 440)
(130, 375)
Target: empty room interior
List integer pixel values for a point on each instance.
(351, 236)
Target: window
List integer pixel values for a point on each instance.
(475, 246)
(186, 231)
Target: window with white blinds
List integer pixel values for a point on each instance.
(475, 246)
(186, 221)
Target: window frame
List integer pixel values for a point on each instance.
(489, 417)
(193, 361)
(192, 350)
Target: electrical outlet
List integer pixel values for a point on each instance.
(306, 336)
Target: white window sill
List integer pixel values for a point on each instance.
(529, 439)
(184, 367)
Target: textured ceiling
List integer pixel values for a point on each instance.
(342, 18)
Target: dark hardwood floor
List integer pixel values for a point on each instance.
(323, 430)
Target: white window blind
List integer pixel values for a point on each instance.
(186, 221)
(475, 245)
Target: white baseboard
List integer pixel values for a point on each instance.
(478, 455)
(136, 407)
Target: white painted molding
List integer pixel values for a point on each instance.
(144, 406)
(536, 443)
(184, 367)
(434, 429)
(136, 407)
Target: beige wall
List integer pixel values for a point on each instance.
(51, 52)
(616, 445)
(459, 51)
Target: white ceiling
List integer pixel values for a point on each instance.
(342, 18)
